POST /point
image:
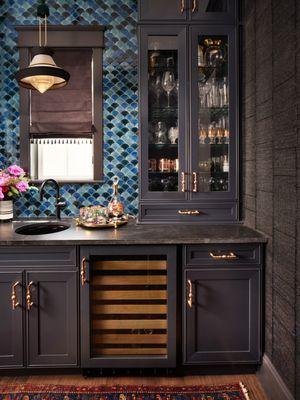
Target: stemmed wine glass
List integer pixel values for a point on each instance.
(168, 84)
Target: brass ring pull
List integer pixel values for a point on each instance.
(28, 296)
(194, 6)
(14, 299)
(83, 271)
(195, 182)
(182, 6)
(229, 256)
(188, 212)
(183, 181)
(190, 293)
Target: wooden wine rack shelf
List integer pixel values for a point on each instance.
(129, 307)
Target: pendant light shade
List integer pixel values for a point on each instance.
(42, 73)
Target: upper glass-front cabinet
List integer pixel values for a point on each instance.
(163, 112)
(213, 125)
(182, 10)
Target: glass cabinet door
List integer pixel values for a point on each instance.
(218, 10)
(213, 136)
(163, 112)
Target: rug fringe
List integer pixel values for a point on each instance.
(244, 390)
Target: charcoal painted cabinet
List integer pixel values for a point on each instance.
(38, 307)
(11, 318)
(128, 306)
(188, 110)
(222, 305)
(184, 10)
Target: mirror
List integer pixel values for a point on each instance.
(61, 130)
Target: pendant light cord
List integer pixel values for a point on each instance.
(43, 13)
(45, 32)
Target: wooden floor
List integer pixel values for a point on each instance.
(250, 381)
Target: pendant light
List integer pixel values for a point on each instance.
(42, 73)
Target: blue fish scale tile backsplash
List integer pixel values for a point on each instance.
(120, 103)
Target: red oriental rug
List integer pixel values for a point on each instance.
(236, 391)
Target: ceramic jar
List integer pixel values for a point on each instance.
(6, 210)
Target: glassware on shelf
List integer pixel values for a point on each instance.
(156, 88)
(160, 133)
(173, 134)
(215, 52)
(168, 84)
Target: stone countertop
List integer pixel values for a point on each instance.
(132, 233)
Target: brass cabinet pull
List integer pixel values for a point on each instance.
(190, 293)
(14, 299)
(229, 256)
(182, 6)
(28, 296)
(83, 271)
(183, 181)
(195, 182)
(194, 8)
(188, 212)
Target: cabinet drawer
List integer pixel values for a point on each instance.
(225, 212)
(29, 256)
(223, 254)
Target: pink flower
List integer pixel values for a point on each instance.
(15, 170)
(1, 194)
(4, 179)
(22, 186)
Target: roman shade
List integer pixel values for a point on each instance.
(68, 111)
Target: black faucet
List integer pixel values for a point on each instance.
(59, 204)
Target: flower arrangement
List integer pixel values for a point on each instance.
(13, 182)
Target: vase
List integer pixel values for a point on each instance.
(6, 210)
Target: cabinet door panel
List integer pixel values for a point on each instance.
(163, 10)
(52, 319)
(11, 326)
(213, 10)
(222, 324)
(214, 141)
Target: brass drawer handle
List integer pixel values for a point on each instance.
(14, 298)
(83, 271)
(195, 182)
(28, 296)
(229, 256)
(182, 6)
(188, 212)
(194, 6)
(183, 181)
(190, 293)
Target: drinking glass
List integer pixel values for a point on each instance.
(168, 84)
(156, 88)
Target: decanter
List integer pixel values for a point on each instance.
(115, 206)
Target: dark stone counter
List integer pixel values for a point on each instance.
(133, 233)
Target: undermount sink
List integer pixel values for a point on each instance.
(42, 228)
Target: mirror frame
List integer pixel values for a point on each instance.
(72, 37)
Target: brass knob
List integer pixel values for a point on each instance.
(188, 212)
(190, 293)
(14, 298)
(83, 271)
(28, 296)
(229, 256)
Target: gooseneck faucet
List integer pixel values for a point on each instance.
(59, 204)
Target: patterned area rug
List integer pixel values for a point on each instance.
(235, 391)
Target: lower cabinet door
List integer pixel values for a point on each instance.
(51, 302)
(222, 316)
(11, 317)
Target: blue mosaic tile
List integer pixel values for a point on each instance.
(120, 89)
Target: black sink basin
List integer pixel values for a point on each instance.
(42, 228)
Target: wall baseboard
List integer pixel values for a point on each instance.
(272, 382)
